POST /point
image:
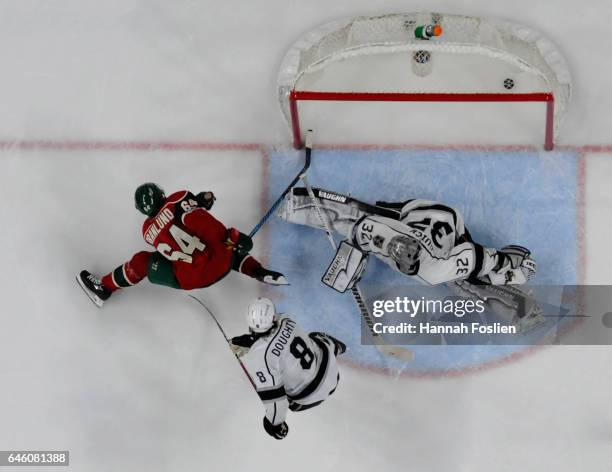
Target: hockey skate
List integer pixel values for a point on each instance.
(269, 277)
(93, 288)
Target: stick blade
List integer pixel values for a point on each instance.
(308, 141)
(396, 352)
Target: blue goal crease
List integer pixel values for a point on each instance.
(507, 197)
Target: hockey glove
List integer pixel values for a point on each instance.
(206, 199)
(339, 346)
(277, 432)
(514, 267)
(240, 345)
(239, 242)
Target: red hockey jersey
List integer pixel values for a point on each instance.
(188, 235)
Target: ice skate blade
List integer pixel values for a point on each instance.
(92, 296)
(268, 279)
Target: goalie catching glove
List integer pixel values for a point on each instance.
(346, 268)
(514, 267)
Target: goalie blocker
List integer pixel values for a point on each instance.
(346, 268)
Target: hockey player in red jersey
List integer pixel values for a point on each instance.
(194, 249)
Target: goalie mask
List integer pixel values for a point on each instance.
(260, 315)
(405, 251)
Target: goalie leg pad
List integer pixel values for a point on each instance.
(509, 302)
(346, 268)
(341, 211)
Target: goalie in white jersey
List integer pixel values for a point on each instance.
(291, 369)
(417, 237)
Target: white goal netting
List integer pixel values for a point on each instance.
(473, 55)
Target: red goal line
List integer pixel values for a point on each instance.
(303, 95)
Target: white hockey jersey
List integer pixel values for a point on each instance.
(447, 252)
(288, 365)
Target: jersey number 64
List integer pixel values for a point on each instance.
(188, 244)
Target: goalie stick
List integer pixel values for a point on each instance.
(394, 351)
(227, 340)
(282, 196)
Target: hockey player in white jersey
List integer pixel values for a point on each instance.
(419, 238)
(291, 369)
(422, 239)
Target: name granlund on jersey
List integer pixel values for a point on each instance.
(291, 369)
(419, 238)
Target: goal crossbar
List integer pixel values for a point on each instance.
(304, 95)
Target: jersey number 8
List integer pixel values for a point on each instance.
(300, 351)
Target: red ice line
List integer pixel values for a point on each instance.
(68, 145)
(127, 146)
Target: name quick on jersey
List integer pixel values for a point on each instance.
(422, 238)
(283, 337)
(165, 217)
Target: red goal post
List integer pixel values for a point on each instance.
(474, 60)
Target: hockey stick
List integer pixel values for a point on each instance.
(282, 196)
(394, 351)
(227, 340)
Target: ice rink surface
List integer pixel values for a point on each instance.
(98, 97)
(513, 181)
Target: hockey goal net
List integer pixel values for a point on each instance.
(381, 59)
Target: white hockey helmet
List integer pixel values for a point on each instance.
(260, 315)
